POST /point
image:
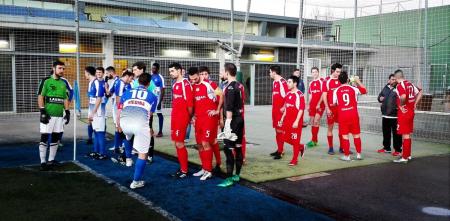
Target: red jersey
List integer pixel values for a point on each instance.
(329, 86)
(205, 98)
(346, 99)
(215, 87)
(294, 102)
(279, 91)
(315, 90)
(182, 98)
(411, 91)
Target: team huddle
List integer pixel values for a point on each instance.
(216, 111)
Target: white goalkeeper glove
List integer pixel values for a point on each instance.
(227, 128)
(223, 136)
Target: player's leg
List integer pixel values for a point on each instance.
(404, 128)
(330, 138)
(128, 147)
(315, 123)
(346, 147)
(161, 123)
(43, 144)
(141, 144)
(230, 162)
(207, 156)
(99, 125)
(397, 139)
(358, 145)
(237, 126)
(182, 159)
(279, 136)
(53, 149)
(216, 150)
(90, 131)
(152, 143)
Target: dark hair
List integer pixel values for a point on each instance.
(202, 69)
(156, 65)
(398, 71)
(391, 75)
(58, 62)
(343, 77)
(294, 78)
(336, 66)
(296, 69)
(100, 69)
(193, 70)
(144, 79)
(127, 73)
(111, 69)
(175, 65)
(231, 69)
(140, 65)
(315, 68)
(90, 70)
(276, 69)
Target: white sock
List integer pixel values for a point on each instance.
(53, 149)
(42, 151)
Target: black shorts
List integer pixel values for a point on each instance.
(237, 127)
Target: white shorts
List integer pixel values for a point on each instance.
(114, 114)
(141, 136)
(55, 125)
(99, 124)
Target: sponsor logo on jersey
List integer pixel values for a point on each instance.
(55, 100)
(176, 96)
(197, 98)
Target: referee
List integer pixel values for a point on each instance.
(234, 126)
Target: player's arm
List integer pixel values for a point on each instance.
(220, 93)
(44, 118)
(418, 98)
(119, 110)
(361, 87)
(300, 112)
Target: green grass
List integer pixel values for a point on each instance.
(34, 195)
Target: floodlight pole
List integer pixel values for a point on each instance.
(77, 41)
(300, 35)
(241, 44)
(424, 80)
(232, 29)
(354, 37)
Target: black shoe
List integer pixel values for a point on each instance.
(89, 142)
(278, 156)
(342, 151)
(120, 159)
(216, 170)
(52, 163)
(92, 155)
(100, 157)
(44, 167)
(274, 153)
(179, 175)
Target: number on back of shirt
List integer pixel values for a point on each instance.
(411, 91)
(346, 99)
(142, 95)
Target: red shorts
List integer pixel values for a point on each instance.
(313, 111)
(178, 128)
(292, 135)
(349, 127)
(333, 117)
(206, 129)
(405, 123)
(276, 117)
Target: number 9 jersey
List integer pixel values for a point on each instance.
(345, 97)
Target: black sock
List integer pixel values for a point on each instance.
(239, 160)
(229, 161)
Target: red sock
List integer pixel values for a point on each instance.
(357, 144)
(330, 141)
(346, 146)
(406, 148)
(314, 132)
(296, 151)
(183, 159)
(208, 156)
(280, 142)
(244, 146)
(216, 150)
(340, 140)
(201, 153)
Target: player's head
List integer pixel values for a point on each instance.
(343, 77)
(194, 77)
(315, 72)
(58, 68)
(139, 68)
(274, 70)
(89, 72)
(336, 69)
(99, 72)
(399, 76)
(175, 70)
(204, 72)
(144, 79)
(292, 82)
(155, 68)
(127, 76)
(230, 70)
(391, 80)
(296, 72)
(110, 71)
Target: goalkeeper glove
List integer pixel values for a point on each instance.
(45, 118)
(227, 128)
(67, 117)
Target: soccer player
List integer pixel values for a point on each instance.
(110, 91)
(97, 113)
(408, 98)
(345, 99)
(182, 109)
(135, 108)
(279, 90)
(204, 75)
(89, 74)
(327, 98)
(206, 121)
(234, 124)
(158, 80)
(292, 119)
(315, 91)
(54, 108)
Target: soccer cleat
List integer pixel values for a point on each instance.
(278, 156)
(382, 150)
(216, 170)
(159, 134)
(89, 142)
(410, 158)
(101, 157)
(137, 184)
(60, 145)
(206, 175)
(274, 153)
(302, 151)
(112, 148)
(346, 158)
(53, 163)
(293, 163)
(128, 162)
(331, 151)
(358, 156)
(236, 178)
(311, 144)
(396, 154)
(91, 155)
(199, 173)
(227, 182)
(149, 159)
(342, 151)
(179, 175)
(44, 167)
(401, 160)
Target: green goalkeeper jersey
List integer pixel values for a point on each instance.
(54, 93)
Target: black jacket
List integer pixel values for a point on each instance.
(389, 104)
